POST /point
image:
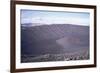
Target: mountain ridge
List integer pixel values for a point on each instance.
(39, 40)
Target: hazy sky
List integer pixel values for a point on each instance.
(53, 17)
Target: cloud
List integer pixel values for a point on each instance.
(56, 20)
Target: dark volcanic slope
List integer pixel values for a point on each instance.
(53, 39)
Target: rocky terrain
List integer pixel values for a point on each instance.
(56, 42)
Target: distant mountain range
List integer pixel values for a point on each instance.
(53, 39)
(39, 24)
